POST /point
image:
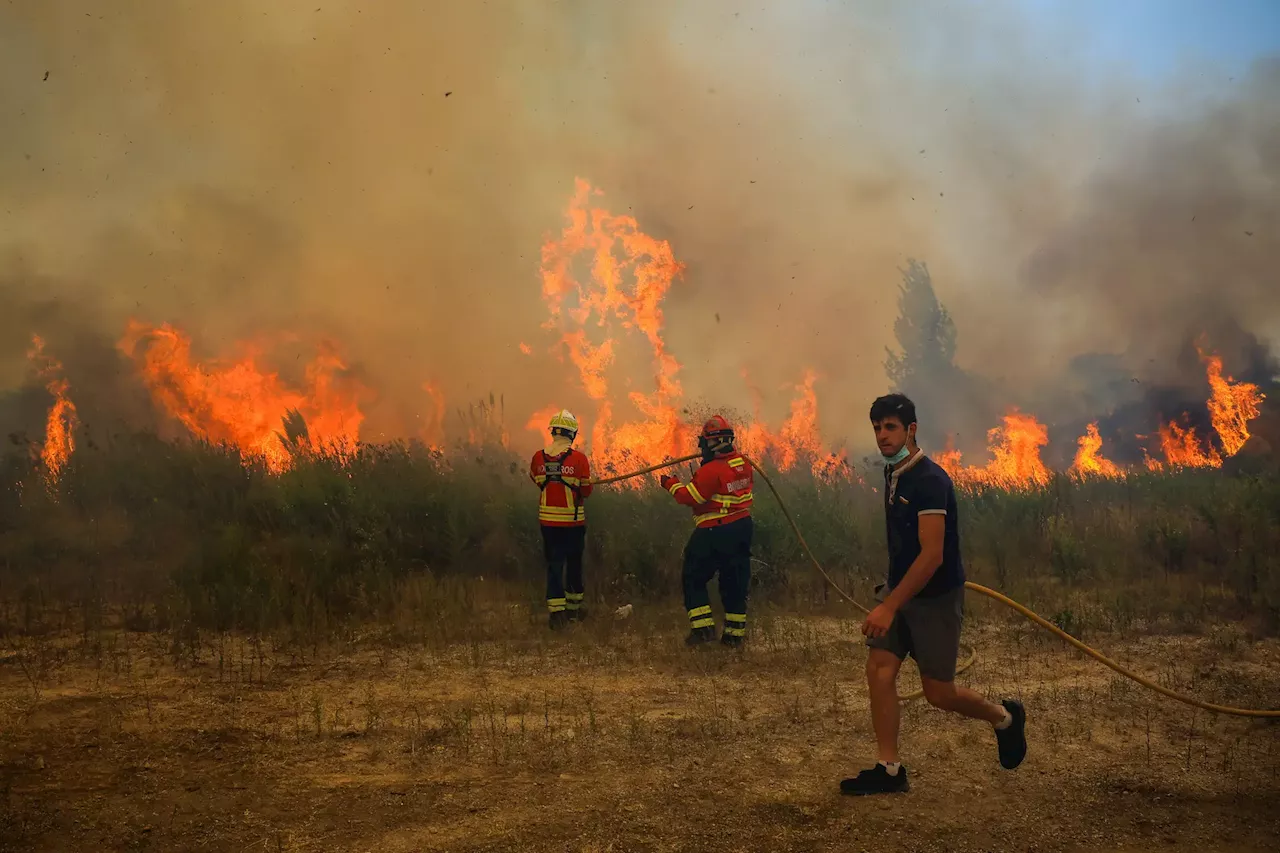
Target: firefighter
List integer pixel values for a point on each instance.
(563, 475)
(720, 496)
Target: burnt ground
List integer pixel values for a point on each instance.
(613, 737)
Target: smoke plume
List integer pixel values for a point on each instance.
(382, 176)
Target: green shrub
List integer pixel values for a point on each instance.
(188, 534)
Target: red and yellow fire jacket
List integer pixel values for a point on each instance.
(720, 491)
(563, 479)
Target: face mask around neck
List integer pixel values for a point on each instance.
(902, 453)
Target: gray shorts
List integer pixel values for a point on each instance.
(928, 629)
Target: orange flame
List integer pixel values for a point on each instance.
(59, 443)
(799, 437)
(949, 460)
(239, 403)
(540, 421)
(1182, 448)
(629, 291)
(1015, 450)
(630, 274)
(1231, 405)
(1089, 460)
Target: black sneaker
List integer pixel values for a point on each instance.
(876, 781)
(1013, 740)
(698, 636)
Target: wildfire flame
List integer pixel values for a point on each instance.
(799, 437)
(1015, 450)
(59, 443)
(241, 404)
(600, 277)
(636, 304)
(1182, 448)
(630, 274)
(1089, 461)
(1231, 406)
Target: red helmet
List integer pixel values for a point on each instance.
(716, 437)
(716, 426)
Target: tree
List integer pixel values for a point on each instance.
(925, 332)
(925, 370)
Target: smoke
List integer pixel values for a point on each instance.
(109, 396)
(1172, 248)
(382, 176)
(1176, 234)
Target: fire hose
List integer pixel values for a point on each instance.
(990, 593)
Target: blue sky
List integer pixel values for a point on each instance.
(1158, 37)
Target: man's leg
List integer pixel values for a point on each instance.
(697, 571)
(575, 544)
(884, 659)
(887, 776)
(1008, 719)
(949, 696)
(553, 553)
(886, 712)
(935, 629)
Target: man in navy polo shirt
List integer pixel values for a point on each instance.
(921, 605)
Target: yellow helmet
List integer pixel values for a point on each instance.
(564, 423)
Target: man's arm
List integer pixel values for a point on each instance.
(933, 526)
(931, 504)
(537, 479)
(705, 482)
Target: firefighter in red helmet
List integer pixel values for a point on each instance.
(720, 496)
(563, 474)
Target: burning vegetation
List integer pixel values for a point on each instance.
(604, 282)
(239, 403)
(59, 440)
(1015, 447)
(1089, 460)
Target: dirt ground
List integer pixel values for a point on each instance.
(614, 737)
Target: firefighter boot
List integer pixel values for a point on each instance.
(573, 606)
(557, 619)
(698, 636)
(731, 641)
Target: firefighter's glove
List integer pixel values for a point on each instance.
(668, 481)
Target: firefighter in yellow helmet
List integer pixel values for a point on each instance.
(562, 474)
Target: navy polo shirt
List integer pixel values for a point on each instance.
(921, 487)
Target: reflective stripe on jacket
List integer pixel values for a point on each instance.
(720, 491)
(563, 479)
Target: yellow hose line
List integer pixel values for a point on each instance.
(1106, 661)
(990, 593)
(607, 480)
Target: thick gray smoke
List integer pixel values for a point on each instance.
(1173, 249)
(382, 175)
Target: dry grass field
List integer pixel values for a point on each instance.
(614, 737)
(198, 654)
